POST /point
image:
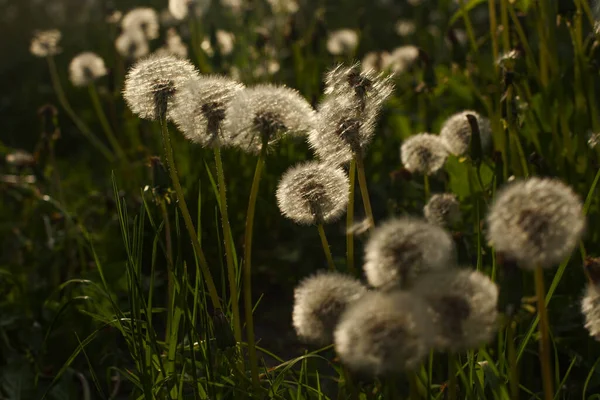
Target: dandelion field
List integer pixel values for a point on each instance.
(300, 199)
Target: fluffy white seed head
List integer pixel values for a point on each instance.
(45, 43)
(319, 302)
(590, 308)
(423, 153)
(284, 6)
(442, 209)
(536, 222)
(199, 108)
(343, 41)
(384, 333)
(401, 250)
(86, 68)
(402, 58)
(174, 45)
(313, 193)
(151, 83)
(464, 307)
(180, 9)
(132, 45)
(263, 114)
(142, 19)
(456, 132)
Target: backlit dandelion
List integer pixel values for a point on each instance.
(536, 222)
(343, 41)
(384, 333)
(464, 304)
(424, 153)
(401, 250)
(45, 43)
(456, 132)
(151, 83)
(590, 307)
(142, 19)
(442, 209)
(180, 9)
(319, 301)
(132, 45)
(86, 68)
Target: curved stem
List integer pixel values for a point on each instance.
(364, 191)
(326, 248)
(248, 267)
(83, 128)
(231, 274)
(543, 327)
(108, 131)
(185, 213)
(350, 220)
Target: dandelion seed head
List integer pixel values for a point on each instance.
(284, 6)
(226, 41)
(45, 43)
(456, 132)
(442, 210)
(402, 58)
(263, 114)
(343, 41)
(132, 45)
(180, 9)
(384, 333)
(464, 307)
(142, 19)
(313, 193)
(401, 250)
(86, 68)
(405, 27)
(424, 153)
(319, 301)
(590, 308)
(174, 45)
(199, 108)
(152, 82)
(536, 222)
(20, 158)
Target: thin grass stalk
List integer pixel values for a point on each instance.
(83, 128)
(468, 26)
(108, 131)
(452, 381)
(505, 26)
(513, 364)
(231, 273)
(350, 220)
(426, 187)
(170, 266)
(185, 213)
(326, 248)
(493, 31)
(247, 269)
(364, 191)
(413, 386)
(545, 363)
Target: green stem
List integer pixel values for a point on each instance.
(170, 267)
(104, 122)
(185, 213)
(248, 266)
(413, 386)
(513, 363)
(469, 27)
(543, 327)
(494, 31)
(326, 248)
(231, 273)
(364, 191)
(62, 99)
(452, 382)
(350, 220)
(426, 187)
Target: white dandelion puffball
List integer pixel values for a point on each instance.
(374, 61)
(343, 41)
(45, 43)
(199, 107)
(263, 114)
(401, 250)
(86, 68)
(284, 6)
(590, 308)
(384, 333)
(142, 19)
(464, 304)
(313, 193)
(132, 45)
(180, 9)
(456, 132)
(401, 59)
(424, 153)
(536, 222)
(174, 44)
(319, 301)
(226, 41)
(152, 82)
(442, 209)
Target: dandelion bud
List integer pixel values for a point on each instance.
(464, 305)
(401, 250)
(132, 45)
(151, 83)
(261, 115)
(86, 68)
(424, 153)
(442, 210)
(313, 193)
(342, 42)
(536, 222)
(590, 307)
(45, 43)
(319, 301)
(456, 132)
(142, 19)
(384, 333)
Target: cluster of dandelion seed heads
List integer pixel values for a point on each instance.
(590, 307)
(86, 68)
(456, 132)
(424, 153)
(45, 43)
(313, 193)
(464, 305)
(536, 222)
(132, 45)
(384, 333)
(142, 19)
(261, 115)
(442, 209)
(151, 83)
(319, 302)
(401, 250)
(199, 108)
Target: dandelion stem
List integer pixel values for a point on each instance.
(426, 187)
(512, 361)
(413, 386)
(452, 382)
(248, 266)
(210, 284)
(104, 122)
(326, 248)
(544, 336)
(350, 220)
(364, 191)
(83, 128)
(231, 273)
(170, 267)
